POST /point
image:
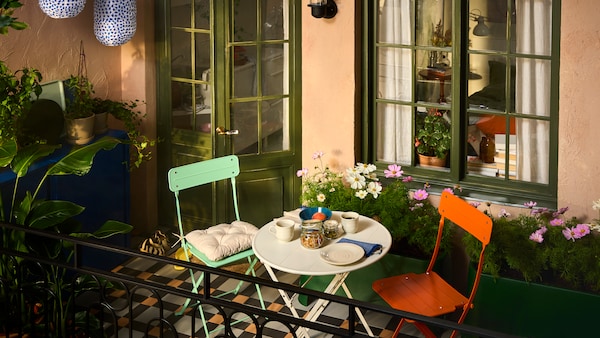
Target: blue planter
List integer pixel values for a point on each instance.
(533, 310)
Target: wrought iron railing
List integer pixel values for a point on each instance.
(44, 296)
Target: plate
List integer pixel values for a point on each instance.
(342, 253)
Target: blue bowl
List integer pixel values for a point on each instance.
(307, 213)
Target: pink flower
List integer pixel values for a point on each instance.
(421, 194)
(581, 230)
(475, 204)
(530, 204)
(503, 213)
(536, 237)
(542, 230)
(302, 172)
(407, 179)
(569, 233)
(449, 190)
(556, 222)
(393, 170)
(317, 155)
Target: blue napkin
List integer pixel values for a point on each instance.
(369, 248)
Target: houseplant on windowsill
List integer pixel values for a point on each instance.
(433, 139)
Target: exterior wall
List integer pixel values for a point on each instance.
(330, 88)
(126, 72)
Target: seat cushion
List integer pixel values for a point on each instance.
(223, 240)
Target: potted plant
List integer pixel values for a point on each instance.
(53, 215)
(79, 111)
(16, 92)
(433, 139)
(131, 117)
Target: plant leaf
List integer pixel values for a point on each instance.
(109, 228)
(46, 214)
(8, 150)
(28, 155)
(79, 160)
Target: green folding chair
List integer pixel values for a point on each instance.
(193, 175)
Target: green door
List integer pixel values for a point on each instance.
(227, 87)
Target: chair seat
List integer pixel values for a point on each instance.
(221, 241)
(425, 294)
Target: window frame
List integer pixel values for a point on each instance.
(472, 186)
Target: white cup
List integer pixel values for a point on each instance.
(283, 229)
(350, 222)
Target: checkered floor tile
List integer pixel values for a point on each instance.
(145, 305)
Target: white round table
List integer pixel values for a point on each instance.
(292, 257)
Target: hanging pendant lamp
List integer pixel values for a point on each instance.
(62, 9)
(114, 21)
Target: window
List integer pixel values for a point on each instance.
(490, 75)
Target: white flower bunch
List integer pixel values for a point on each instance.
(363, 179)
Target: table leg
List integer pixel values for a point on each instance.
(302, 331)
(358, 312)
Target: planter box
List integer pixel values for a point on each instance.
(533, 310)
(359, 282)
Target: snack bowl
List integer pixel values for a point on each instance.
(320, 213)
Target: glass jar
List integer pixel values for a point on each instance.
(312, 236)
(330, 229)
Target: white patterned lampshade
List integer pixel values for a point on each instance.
(114, 21)
(62, 9)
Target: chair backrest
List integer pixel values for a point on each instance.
(199, 173)
(470, 219)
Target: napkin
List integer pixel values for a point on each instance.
(370, 248)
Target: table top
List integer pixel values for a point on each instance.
(292, 257)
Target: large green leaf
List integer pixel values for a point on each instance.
(107, 229)
(46, 214)
(79, 160)
(28, 155)
(8, 150)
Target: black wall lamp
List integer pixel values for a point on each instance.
(323, 8)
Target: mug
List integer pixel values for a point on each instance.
(350, 222)
(283, 230)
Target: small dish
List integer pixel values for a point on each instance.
(342, 253)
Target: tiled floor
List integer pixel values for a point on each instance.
(145, 306)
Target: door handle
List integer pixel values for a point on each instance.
(223, 131)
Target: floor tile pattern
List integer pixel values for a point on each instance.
(145, 305)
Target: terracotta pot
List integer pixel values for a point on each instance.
(432, 161)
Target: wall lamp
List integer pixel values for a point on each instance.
(480, 29)
(323, 8)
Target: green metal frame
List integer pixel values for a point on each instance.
(488, 188)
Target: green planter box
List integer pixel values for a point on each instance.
(533, 310)
(359, 282)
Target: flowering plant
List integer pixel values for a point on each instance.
(543, 245)
(433, 139)
(409, 216)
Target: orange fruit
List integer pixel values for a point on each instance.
(319, 215)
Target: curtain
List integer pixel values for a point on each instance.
(394, 121)
(534, 37)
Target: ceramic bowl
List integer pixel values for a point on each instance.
(307, 213)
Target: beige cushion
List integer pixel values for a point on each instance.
(223, 240)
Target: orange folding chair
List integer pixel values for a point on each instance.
(427, 293)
